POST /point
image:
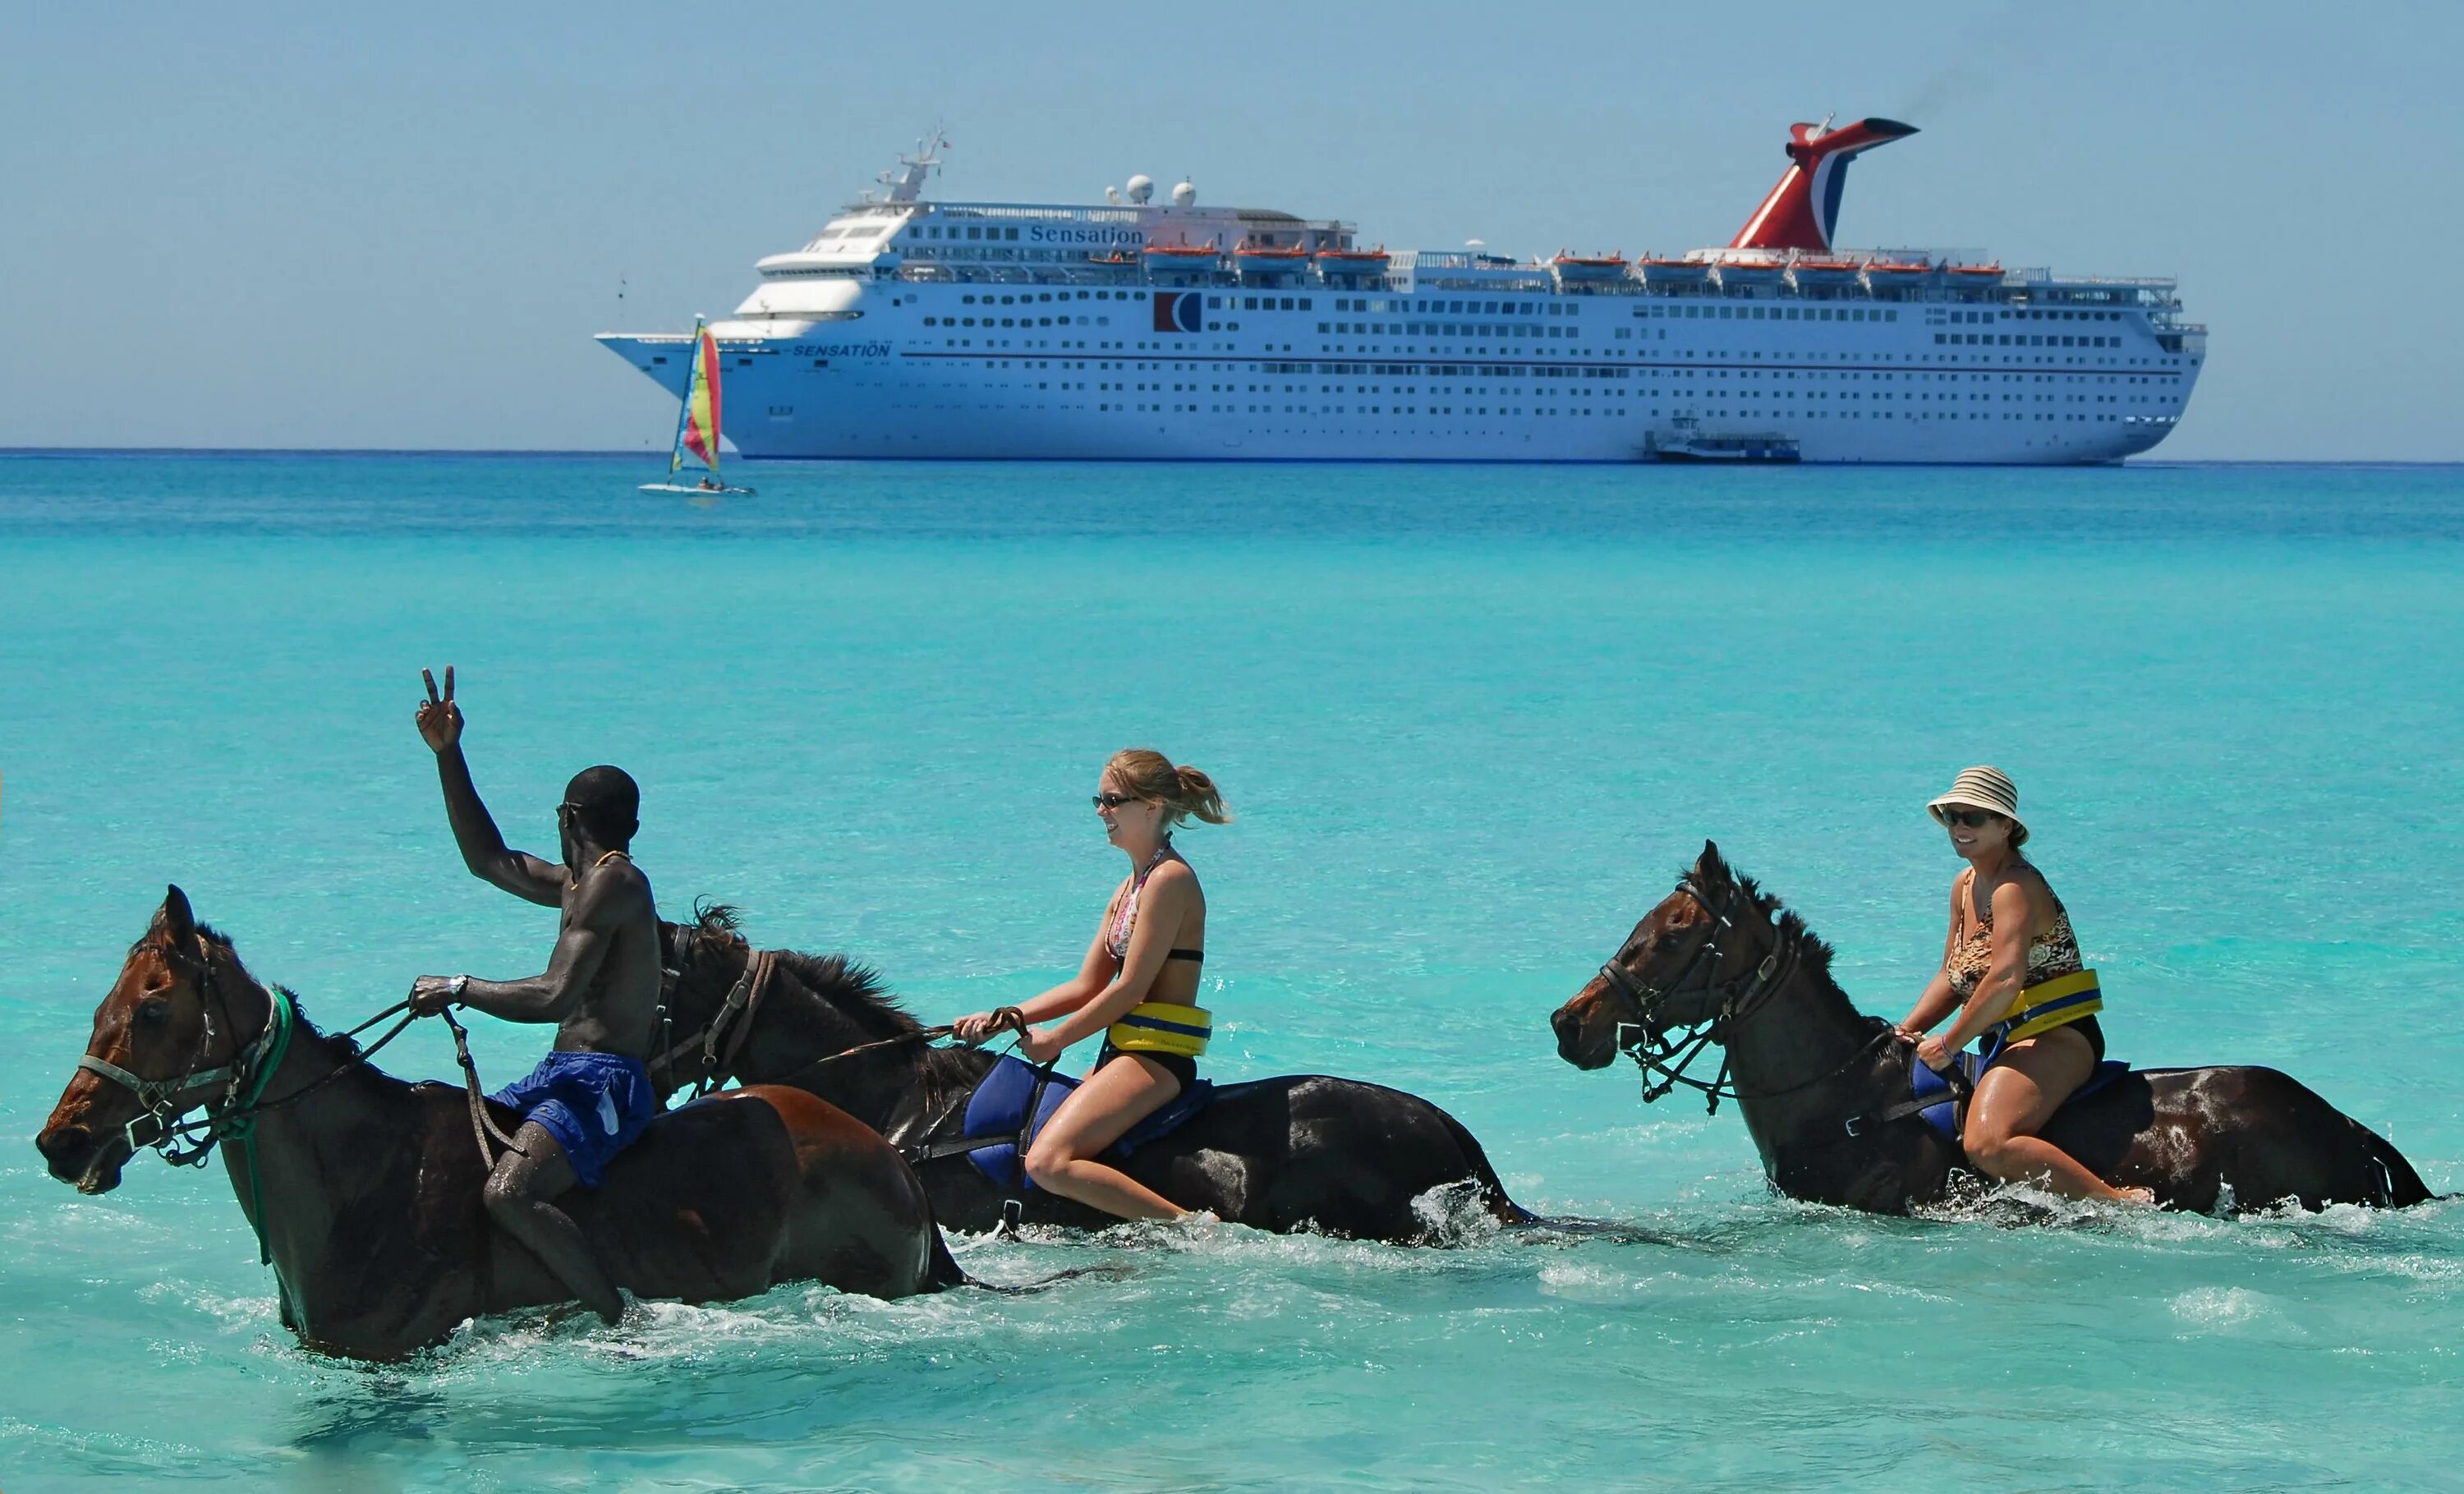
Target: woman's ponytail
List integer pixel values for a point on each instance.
(1184, 791)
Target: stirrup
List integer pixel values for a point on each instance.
(1013, 1212)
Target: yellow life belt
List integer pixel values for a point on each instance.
(2041, 1008)
(1162, 1028)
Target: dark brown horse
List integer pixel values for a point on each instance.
(367, 1191)
(1300, 1151)
(1822, 1087)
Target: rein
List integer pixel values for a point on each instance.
(1671, 1051)
(744, 996)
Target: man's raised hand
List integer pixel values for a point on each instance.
(439, 719)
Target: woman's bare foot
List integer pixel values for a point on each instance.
(2146, 1196)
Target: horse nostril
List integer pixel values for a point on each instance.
(1563, 1024)
(65, 1147)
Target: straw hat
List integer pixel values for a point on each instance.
(1982, 788)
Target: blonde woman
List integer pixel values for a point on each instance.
(2011, 974)
(1137, 986)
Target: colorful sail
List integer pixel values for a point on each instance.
(700, 435)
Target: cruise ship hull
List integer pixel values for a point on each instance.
(1890, 400)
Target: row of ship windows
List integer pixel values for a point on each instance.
(1153, 408)
(969, 300)
(1773, 312)
(1359, 390)
(1607, 371)
(1612, 373)
(2023, 339)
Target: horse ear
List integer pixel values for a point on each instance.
(1710, 865)
(177, 919)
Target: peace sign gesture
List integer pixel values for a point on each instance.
(439, 719)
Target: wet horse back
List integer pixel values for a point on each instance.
(2231, 1136)
(696, 1207)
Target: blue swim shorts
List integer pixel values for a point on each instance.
(593, 1104)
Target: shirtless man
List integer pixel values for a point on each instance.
(591, 1097)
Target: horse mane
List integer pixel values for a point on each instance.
(1812, 950)
(856, 991)
(345, 1047)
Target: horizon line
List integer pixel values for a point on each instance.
(545, 453)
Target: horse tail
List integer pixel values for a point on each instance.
(2404, 1186)
(1492, 1191)
(942, 1270)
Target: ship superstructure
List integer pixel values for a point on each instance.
(1137, 329)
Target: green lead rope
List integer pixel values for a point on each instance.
(244, 1128)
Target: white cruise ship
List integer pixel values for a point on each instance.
(914, 328)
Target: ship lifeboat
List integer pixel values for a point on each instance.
(1734, 272)
(1882, 274)
(1589, 267)
(1352, 261)
(1267, 259)
(1822, 272)
(1973, 279)
(1675, 272)
(1182, 257)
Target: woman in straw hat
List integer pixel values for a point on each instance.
(2012, 974)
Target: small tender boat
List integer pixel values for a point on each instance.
(1686, 441)
(698, 423)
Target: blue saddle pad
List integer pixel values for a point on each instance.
(997, 1112)
(1944, 1118)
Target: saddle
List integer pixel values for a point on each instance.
(1941, 1100)
(1010, 1107)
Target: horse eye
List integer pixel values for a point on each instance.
(154, 1010)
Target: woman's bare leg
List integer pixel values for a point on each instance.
(2014, 1100)
(1097, 1113)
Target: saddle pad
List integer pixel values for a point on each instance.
(1944, 1117)
(997, 1112)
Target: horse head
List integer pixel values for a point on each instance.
(1675, 970)
(167, 1024)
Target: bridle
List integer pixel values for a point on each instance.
(1666, 1054)
(243, 1079)
(160, 1101)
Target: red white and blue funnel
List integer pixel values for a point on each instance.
(1804, 208)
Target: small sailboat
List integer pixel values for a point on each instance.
(698, 423)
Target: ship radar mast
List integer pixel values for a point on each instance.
(906, 184)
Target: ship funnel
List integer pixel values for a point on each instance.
(1803, 209)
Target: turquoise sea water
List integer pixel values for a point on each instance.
(1473, 720)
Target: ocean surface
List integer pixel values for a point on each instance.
(1473, 720)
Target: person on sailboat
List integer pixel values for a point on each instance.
(1137, 986)
(591, 1097)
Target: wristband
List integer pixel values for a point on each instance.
(456, 986)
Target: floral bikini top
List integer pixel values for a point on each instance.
(1124, 917)
(2051, 954)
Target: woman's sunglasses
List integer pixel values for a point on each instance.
(1114, 800)
(1966, 819)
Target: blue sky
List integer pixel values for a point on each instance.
(294, 225)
